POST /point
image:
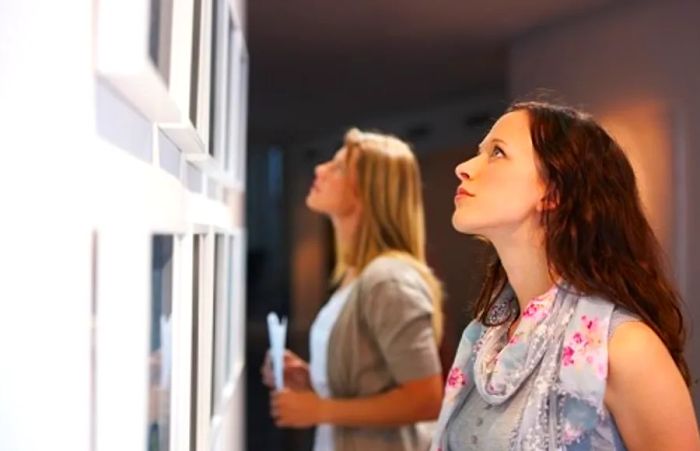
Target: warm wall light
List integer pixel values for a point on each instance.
(309, 286)
(644, 129)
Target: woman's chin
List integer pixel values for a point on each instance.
(460, 225)
(467, 227)
(310, 204)
(313, 205)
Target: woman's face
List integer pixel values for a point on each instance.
(333, 191)
(500, 190)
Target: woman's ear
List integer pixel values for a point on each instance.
(550, 201)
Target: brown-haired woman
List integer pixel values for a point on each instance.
(374, 371)
(578, 338)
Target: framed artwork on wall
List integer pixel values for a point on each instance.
(190, 68)
(219, 322)
(224, 158)
(160, 349)
(233, 82)
(242, 126)
(219, 92)
(137, 63)
(235, 340)
(228, 325)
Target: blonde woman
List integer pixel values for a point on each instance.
(374, 371)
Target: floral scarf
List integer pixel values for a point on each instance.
(561, 341)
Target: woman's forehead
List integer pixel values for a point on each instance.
(512, 128)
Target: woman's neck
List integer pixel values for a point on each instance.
(345, 229)
(526, 267)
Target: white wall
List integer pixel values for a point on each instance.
(636, 67)
(86, 179)
(45, 227)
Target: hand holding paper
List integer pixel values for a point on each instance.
(277, 331)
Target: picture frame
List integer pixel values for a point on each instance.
(219, 323)
(191, 60)
(160, 361)
(138, 64)
(235, 353)
(228, 78)
(237, 108)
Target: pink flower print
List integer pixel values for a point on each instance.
(584, 348)
(570, 433)
(456, 378)
(567, 357)
(589, 323)
(531, 310)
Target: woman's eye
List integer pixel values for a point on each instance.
(497, 152)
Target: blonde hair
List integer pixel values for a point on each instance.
(392, 221)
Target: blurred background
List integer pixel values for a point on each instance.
(438, 74)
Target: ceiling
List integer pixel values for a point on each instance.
(318, 64)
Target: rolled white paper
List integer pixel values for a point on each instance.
(277, 331)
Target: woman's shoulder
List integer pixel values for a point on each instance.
(391, 268)
(634, 351)
(620, 316)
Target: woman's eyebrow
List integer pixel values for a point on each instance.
(495, 140)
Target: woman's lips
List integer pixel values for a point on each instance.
(461, 192)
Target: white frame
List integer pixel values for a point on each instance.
(206, 311)
(237, 111)
(182, 342)
(233, 296)
(193, 139)
(175, 321)
(220, 76)
(227, 164)
(233, 84)
(242, 126)
(125, 252)
(220, 293)
(238, 313)
(123, 60)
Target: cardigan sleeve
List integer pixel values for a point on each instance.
(398, 314)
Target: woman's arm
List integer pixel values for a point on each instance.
(646, 393)
(397, 313)
(412, 401)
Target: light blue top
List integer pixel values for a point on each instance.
(478, 425)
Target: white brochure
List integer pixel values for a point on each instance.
(277, 331)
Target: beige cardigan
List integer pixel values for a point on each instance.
(383, 337)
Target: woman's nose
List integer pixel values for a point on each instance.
(462, 171)
(467, 170)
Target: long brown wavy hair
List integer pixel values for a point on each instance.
(597, 238)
